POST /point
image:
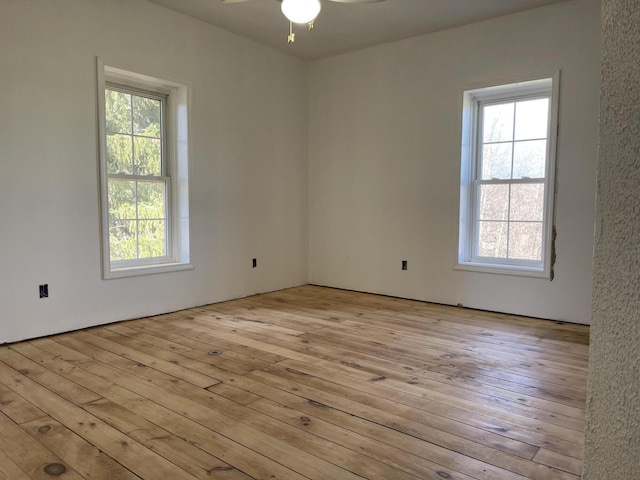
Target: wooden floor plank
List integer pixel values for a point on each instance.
(556, 401)
(526, 450)
(438, 328)
(419, 423)
(486, 362)
(308, 382)
(241, 381)
(234, 363)
(122, 449)
(227, 420)
(413, 394)
(9, 470)
(399, 459)
(442, 447)
(407, 373)
(29, 456)
(490, 361)
(561, 462)
(184, 454)
(131, 413)
(86, 459)
(17, 408)
(101, 338)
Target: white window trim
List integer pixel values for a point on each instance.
(177, 165)
(470, 98)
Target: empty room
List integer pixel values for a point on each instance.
(323, 239)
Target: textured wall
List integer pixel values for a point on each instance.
(613, 415)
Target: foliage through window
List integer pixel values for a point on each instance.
(137, 183)
(507, 171)
(145, 209)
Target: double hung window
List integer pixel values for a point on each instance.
(138, 184)
(143, 174)
(506, 206)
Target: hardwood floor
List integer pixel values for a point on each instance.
(308, 382)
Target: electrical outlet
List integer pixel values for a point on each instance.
(404, 264)
(254, 263)
(44, 290)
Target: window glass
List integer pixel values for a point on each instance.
(137, 208)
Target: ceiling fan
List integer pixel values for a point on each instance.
(303, 11)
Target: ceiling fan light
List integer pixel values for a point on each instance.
(301, 11)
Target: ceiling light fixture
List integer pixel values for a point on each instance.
(301, 11)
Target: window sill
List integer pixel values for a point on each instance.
(146, 270)
(503, 269)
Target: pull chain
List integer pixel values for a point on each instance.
(292, 36)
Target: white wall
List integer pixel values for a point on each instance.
(380, 129)
(248, 162)
(384, 160)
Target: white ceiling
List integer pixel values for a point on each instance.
(344, 27)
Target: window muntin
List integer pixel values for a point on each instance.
(144, 173)
(506, 189)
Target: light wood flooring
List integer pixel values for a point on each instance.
(308, 382)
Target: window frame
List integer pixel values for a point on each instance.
(470, 178)
(175, 168)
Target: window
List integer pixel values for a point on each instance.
(507, 189)
(144, 170)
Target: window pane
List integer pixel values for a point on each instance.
(122, 240)
(492, 239)
(529, 159)
(496, 161)
(494, 202)
(147, 156)
(151, 200)
(122, 200)
(532, 117)
(527, 202)
(151, 238)
(497, 123)
(119, 154)
(525, 241)
(118, 111)
(146, 116)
